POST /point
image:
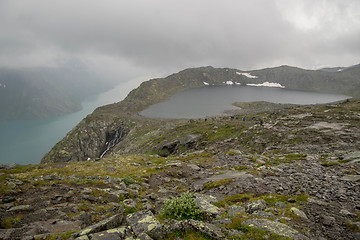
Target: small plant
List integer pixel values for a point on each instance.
(180, 208)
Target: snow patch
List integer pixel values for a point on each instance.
(229, 83)
(205, 83)
(237, 83)
(248, 75)
(266, 84)
(2, 85)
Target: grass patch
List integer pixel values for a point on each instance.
(11, 222)
(252, 233)
(216, 184)
(241, 167)
(230, 200)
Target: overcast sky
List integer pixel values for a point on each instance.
(133, 37)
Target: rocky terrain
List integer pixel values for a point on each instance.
(283, 173)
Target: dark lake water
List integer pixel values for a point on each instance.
(27, 141)
(214, 100)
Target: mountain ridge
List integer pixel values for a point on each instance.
(88, 139)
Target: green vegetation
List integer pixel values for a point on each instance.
(11, 222)
(252, 233)
(180, 208)
(216, 184)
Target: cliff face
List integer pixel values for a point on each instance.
(91, 137)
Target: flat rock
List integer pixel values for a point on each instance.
(106, 224)
(20, 208)
(112, 234)
(275, 227)
(204, 203)
(350, 178)
(206, 228)
(198, 185)
(142, 222)
(58, 226)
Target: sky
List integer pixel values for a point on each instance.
(130, 38)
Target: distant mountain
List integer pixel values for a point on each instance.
(35, 93)
(113, 127)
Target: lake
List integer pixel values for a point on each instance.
(214, 100)
(27, 141)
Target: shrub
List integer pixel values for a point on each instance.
(180, 208)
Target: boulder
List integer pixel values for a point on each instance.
(143, 222)
(112, 234)
(206, 228)
(258, 205)
(275, 227)
(298, 213)
(204, 203)
(106, 224)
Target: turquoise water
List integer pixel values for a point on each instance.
(214, 100)
(27, 141)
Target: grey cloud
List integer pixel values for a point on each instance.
(169, 35)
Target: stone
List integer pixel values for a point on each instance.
(130, 203)
(112, 234)
(328, 220)
(58, 226)
(194, 167)
(350, 178)
(142, 222)
(275, 227)
(20, 208)
(205, 206)
(206, 228)
(258, 205)
(82, 238)
(264, 214)
(143, 236)
(106, 224)
(347, 213)
(235, 210)
(298, 212)
(280, 205)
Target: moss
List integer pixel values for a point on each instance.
(251, 232)
(222, 182)
(230, 200)
(11, 222)
(296, 156)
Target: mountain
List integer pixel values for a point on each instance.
(35, 93)
(287, 172)
(99, 132)
(292, 173)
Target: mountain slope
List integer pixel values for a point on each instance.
(91, 137)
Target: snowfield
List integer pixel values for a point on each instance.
(248, 75)
(266, 84)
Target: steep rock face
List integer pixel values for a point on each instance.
(89, 139)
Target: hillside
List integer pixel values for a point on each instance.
(37, 93)
(289, 173)
(90, 137)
